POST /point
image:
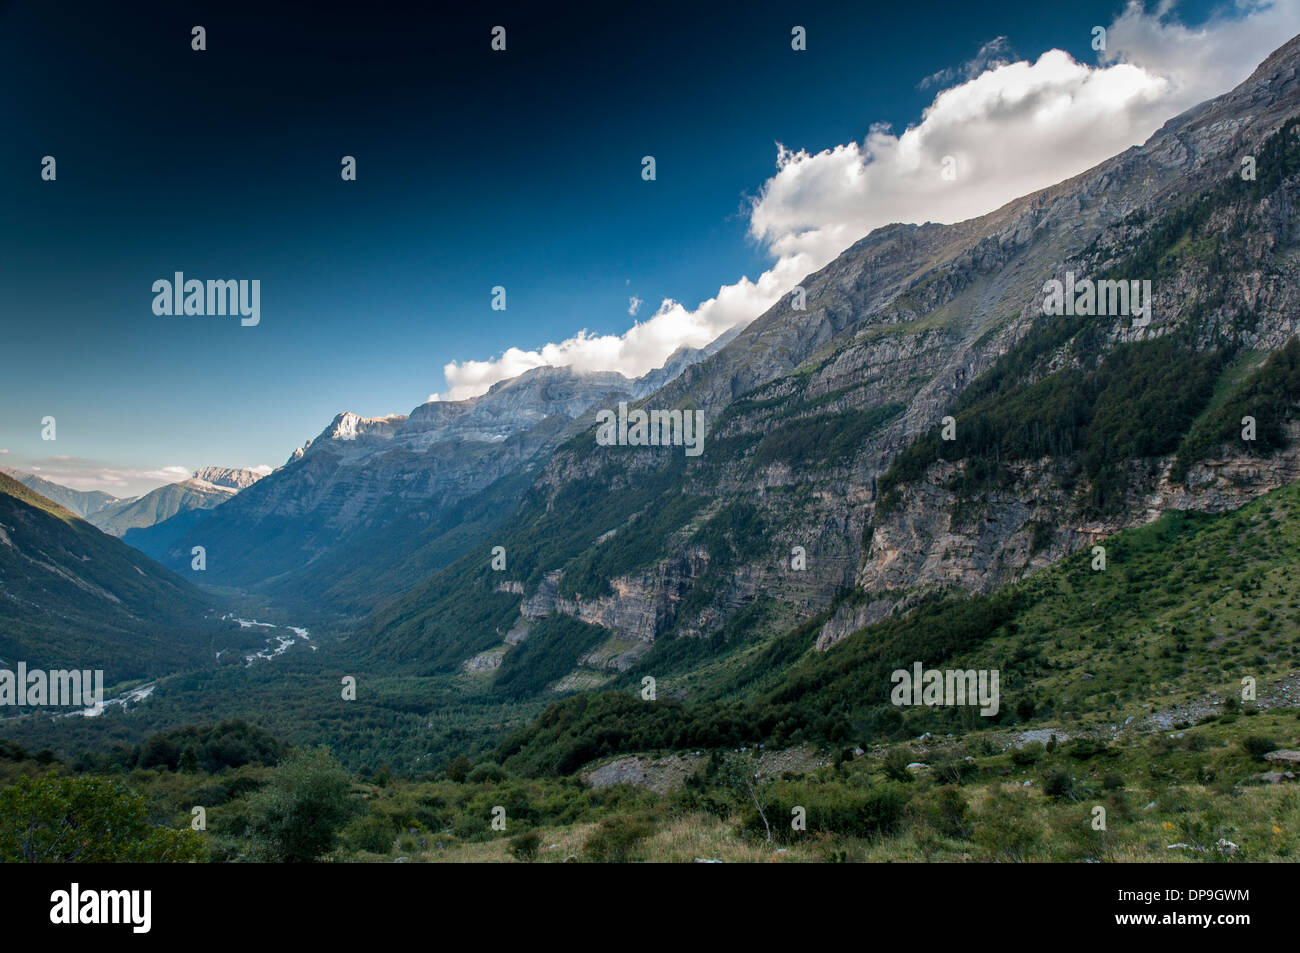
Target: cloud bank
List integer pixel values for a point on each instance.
(1004, 130)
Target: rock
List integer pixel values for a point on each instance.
(1276, 777)
(1282, 756)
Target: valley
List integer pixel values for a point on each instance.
(954, 556)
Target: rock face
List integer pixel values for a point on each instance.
(231, 478)
(640, 606)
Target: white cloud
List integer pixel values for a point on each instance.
(78, 473)
(4, 451)
(634, 305)
(1012, 129)
(996, 52)
(263, 469)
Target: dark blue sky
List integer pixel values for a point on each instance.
(475, 169)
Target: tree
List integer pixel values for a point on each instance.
(299, 813)
(85, 820)
(741, 775)
(458, 768)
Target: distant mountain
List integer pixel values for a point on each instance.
(84, 503)
(373, 503)
(232, 478)
(71, 596)
(208, 488)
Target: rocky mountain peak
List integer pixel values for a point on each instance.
(232, 478)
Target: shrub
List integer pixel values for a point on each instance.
(1058, 785)
(943, 810)
(1027, 755)
(298, 814)
(486, 772)
(372, 833)
(85, 820)
(616, 839)
(895, 765)
(524, 847)
(1258, 745)
(1006, 828)
(1081, 749)
(841, 808)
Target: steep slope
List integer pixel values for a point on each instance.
(71, 596)
(1162, 638)
(159, 505)
(812, 413)
(154, 522)
(84, 503)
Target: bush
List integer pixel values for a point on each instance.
(486, 772)
(1058, 785)
(524, 847)
(85, 820)
(373, 833)
(1027, 755)
(616, 839)
(458, 767)
(895, 765)
(1258, 745)
(952, 770)
(1081, 749)
(847, 810)
(943, 810)
(1007, 829)
(298, 814)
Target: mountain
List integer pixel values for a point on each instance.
(827, 469)
(152, 523)
(375, 503)
(84, 503)
(71, 596)
(231, 478)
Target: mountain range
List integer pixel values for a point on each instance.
(891, 460)
(824, 432)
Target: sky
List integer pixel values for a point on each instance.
(478, 169)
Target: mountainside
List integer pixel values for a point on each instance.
(85, 503)
(152, 523)
(71, 596)
(372, 504)
(825, 468)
